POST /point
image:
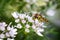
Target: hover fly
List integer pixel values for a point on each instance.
(40, 17)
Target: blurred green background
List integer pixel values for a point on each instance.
(8, 6)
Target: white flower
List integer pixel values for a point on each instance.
(27, 26)
(13, 32)
(33, 26)
(22, 16)
(7, 34)
(27, 16)
(27, 30)
(30, 19)
(36, 21)
(41, 24)
(2, 26)
(40, 29)
(9, 39)
(15, 14)
(8, 28)
(50, 12)
(2, 35)
(19, 26)
(23, 21)
(39, 33)
(17, 20)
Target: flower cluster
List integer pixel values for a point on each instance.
(7, 31)
(28, 22)
(23, 21)
(37, 2)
